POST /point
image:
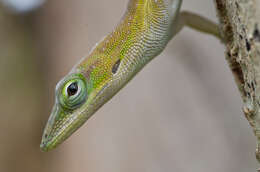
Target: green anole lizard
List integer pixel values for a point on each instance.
(142, 34)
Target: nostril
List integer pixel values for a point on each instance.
(43, 146)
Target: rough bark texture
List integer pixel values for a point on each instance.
(240, 27)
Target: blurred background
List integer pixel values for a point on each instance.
(181, 113)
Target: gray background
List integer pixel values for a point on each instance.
(181, 113)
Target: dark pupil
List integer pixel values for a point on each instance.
(72, 89)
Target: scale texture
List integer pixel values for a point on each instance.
(143, 32)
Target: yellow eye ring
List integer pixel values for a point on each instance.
(73, 93)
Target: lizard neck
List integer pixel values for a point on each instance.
(143, 32)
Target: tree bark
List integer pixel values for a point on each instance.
(240, 28)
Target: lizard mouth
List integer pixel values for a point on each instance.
(59, 129)
(48, 135)
(63, 123)
(57, 135)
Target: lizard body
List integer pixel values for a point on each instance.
(143, 32)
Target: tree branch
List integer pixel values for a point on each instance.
(240, 28)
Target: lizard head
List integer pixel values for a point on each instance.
(77, 96)
(70, 98)
(111, 64)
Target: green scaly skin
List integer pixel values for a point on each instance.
(144, 31)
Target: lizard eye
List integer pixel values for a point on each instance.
(72, 89)
(73, 94)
